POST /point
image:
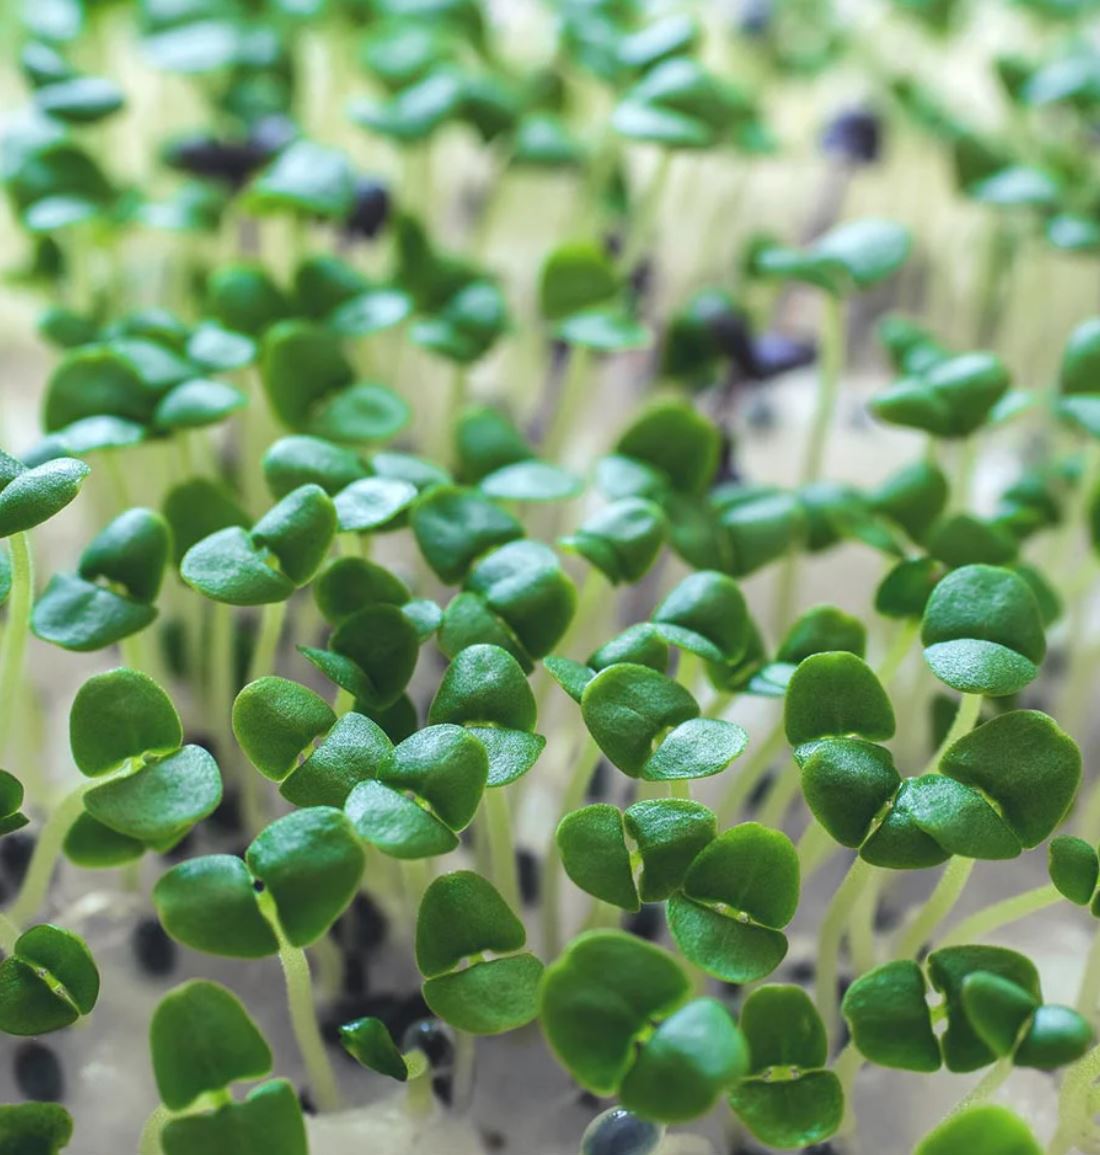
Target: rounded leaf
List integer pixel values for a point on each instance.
(706, 615)
(161, 802)
(133, 551)
(1026, 763)
(35, 495)
(202, 1041)
(594, 854)
(1056, 1037)
(396, 824)
(669, 833)
(371, 1045)
(462, 914)
(484, 685)
(372, 503)
(209, 904)
(692, 1057)
(983, 1130)
(487, 998)
(1074, 868)
(120, 715)
(354, 750)
(887, 1012)
(79, 615)
(372, 655)
(231, 566)
(599, 996)
(627, 709)
(791, 1112)
(311, 864)
(454, 526)
(275, 720)
(835, 695)
(846, 782)
(982, 631)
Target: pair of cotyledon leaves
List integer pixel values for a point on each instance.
(202, 1042)
(113, 593)
(47, 982)
(124, 729)
(114, 393)
(997, 790)
(267, 563)
(993, 1005)
(410, 799)
(729, 895)
(619, 1014)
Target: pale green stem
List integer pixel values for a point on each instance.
(267, 642)
(745, 780)
(861, 933)
(970, 706)
(415, 877)
(9, 932)
(899, 647)
(134, 653)
(498, 823)
(587, 761)
(303, 1020)
(419, 1102)
(847, 1066)
(940, 903)
(116, 477)
(1074, 1104)
(1088, 993)
(571, 401)
(987, 1087)
(814, 848)
(464, 1071)
(450, 413)
(13, 648)
(679, 788)
(782, 794)
(641, 227)
(47, 850)
(830, 937)
(149, 1143)
(831, 360)
(1000, 914)
(330, 966)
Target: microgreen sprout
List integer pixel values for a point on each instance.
(567, 530)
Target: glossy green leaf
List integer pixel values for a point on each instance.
(706, 615)
(209, 904)
(887, 1012)
(599, 996)
(793, 1112)
(371, 654)
(121, 715)
(371, 1045)
(669, 834)
(692, 1057)
(696, 748)
(963, 1048)
(268, 1122)
(230, 566)
(306, 178)
(462, 915)
(622, 540)
(1074, 868)
(1056, 1037)
(1026, 763)
(354, 750)
(47, 982)
(396, 824)
(202, 1041)
(79, 615)
(311, 864)
(982, 1130)
(628, 708)
(737, 895)
(846, 782)
(594, 854)
(163, 800)
(276, 721)
(834, 695)
(372, 504)
(94, 846)
(997, 1009)
(33, 496)
(488, 998)
(982, 631)
(453, 527)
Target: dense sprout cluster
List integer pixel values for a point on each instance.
(401, 446)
